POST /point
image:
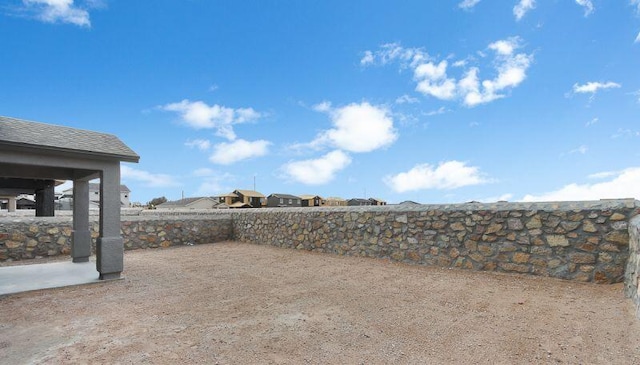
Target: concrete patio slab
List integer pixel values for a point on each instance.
(17, 279)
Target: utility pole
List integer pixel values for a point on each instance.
(254, 182)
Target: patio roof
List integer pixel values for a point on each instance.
(34, 154)
(21, 133)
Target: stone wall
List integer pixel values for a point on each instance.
(584, 241)
(26, 237)
(632, 273)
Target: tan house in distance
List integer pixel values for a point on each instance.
(312, 200)
(334, 201)
(376, 201)
(243, 199)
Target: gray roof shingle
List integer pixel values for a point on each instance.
(182, 202)
(284, 196)
(26, 133)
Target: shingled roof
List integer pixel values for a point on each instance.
(183, 202)
(17, 132)
(284, 196)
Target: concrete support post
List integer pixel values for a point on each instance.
(12, 204)
(110, 245)
(45, 198)
(81, 235)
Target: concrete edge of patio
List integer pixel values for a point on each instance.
(25, 278)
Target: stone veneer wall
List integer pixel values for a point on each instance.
(584, 241)
(26, 237)
(632, 273)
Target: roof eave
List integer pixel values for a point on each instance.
(123, 158)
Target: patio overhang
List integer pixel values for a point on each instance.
(36, 154)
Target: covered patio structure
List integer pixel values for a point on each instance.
(33, 155)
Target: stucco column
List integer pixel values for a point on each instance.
(12, 204)
(110, 245)
(81, 235)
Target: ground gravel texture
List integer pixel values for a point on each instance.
(232, 303)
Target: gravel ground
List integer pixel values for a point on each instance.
(233, 303)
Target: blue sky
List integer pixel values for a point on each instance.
(431, 101)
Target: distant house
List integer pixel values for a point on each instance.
(334, 201)
(356, 202)
(189, 203)
(227, 199)
(253, 198)
(312, 201)
(25, 202)
(283, 200)
(376, 201)
(243, 199)
(94, 194)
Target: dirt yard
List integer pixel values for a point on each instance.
(235, 303)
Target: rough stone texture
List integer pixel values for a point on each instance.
(632, 273)
(27, 238)
(583, 241)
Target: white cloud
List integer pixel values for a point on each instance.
(587, 5)
(511, 69)
(460, 63)
(447, 175)
(636, 4)
(406, 99)
(212, 187)
(505, 47)
(581, 150)
(201, 144)
(147, 178)
(322, 107)
(203, 172)
(593, 87)
(468, 4)
(392, 52)
(522, 7)
(625, 133)
(637, 38)
(433, 80)
(54, 11)
(624, 184)
(358, 128)
(440, 110)
(591, 122)
(215, 185)
(367, 59)
(603, 174)
(317, 171)
(212, 182)
(238, 150)
(199, 115)
(493, 199)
